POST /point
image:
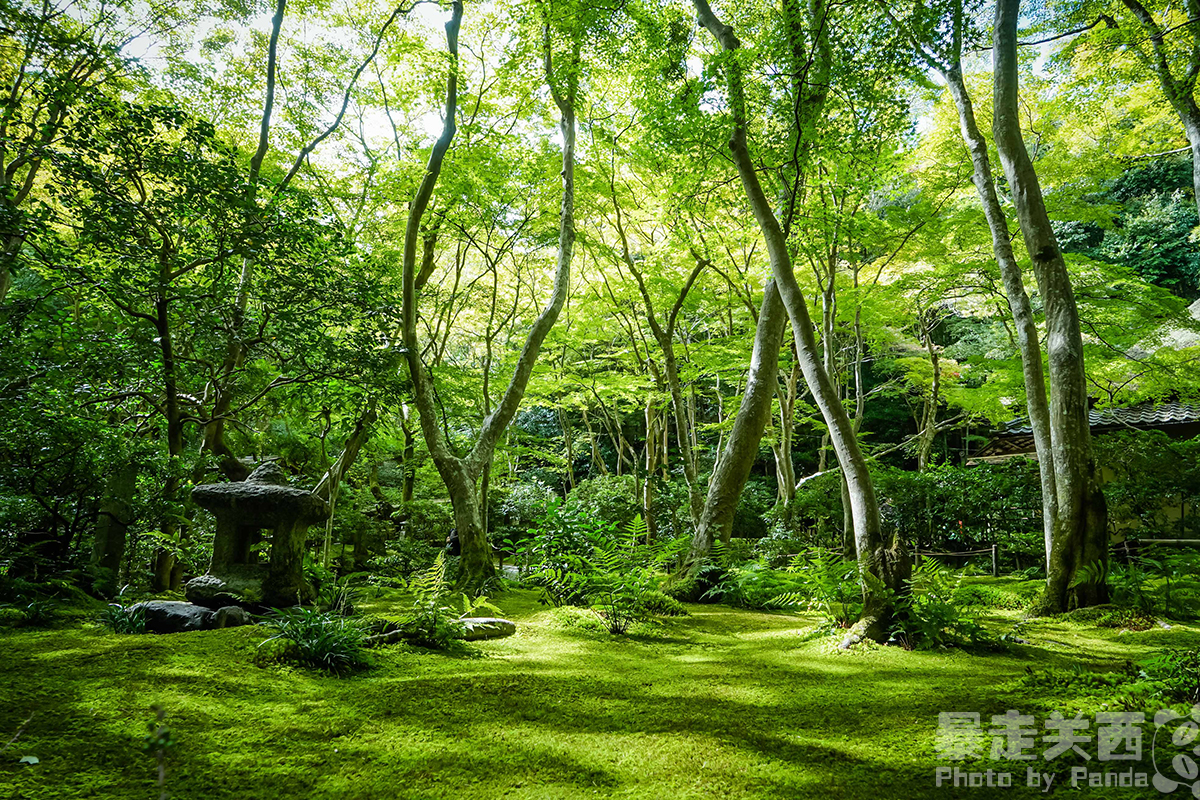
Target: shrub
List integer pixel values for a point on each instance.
(778, 546)
(1178, 674)
(515, 508)
(1127, 618)
(610, 499)
(33, 613)
(403, 558)
(988, 597)
(829, 585)
(426, 520)
(556, 555)
(662, 605)
(320, 639)
(1157, 581)
(750, 516)
(622, 574)
(756, 585)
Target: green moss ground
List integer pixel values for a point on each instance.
(724, 703)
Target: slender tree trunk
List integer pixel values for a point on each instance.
(929, 407)
(883, 572)
(652, 425)
(1180, 90)
(167, 571)
(1014, 289)
(568, 445)
(594, 443)
(785, 471)
(1190, 117)
(1080, 528)
(462, 474)
(741, 448)
(665, 336)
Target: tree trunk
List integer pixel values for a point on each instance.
(652, 425)
(1180, 91)
(1014, 288)
(569, 446)
(168, 572)
(112, 524)
(785, 471)
(409, 457)
(741, 448)
(882, 572)
(665, 336)
(930, 406)
(1080, 528)
(461, 474)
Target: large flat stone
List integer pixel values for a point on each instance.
(175, 616)
(477, 628)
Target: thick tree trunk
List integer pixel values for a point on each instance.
(883, 572)
(1080, 529)
(112, 524)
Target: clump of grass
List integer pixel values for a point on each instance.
(38, 612)
(319, 639)
(123, 619)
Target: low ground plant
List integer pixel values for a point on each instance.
(931, 615)
(436, 617)
(310, 637)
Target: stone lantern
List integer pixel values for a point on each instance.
(263, 502)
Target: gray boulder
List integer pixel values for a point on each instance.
(231, 617)
(211, 592)
(487, 628)
(174, 616)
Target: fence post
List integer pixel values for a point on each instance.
(995, 562)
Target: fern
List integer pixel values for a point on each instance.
(1090, 574)
(788, 600)
(437, 614)
(637, 529)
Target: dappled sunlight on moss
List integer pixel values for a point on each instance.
(725, 702)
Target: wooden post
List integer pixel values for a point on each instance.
(995, 561)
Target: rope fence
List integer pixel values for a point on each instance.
(993, 551)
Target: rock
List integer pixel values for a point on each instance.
(1164, 625)
(211, 592)
(488, 628)
(174, 616)
(231, 617)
